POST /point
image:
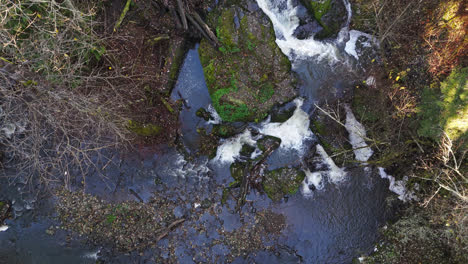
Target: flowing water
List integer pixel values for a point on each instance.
(332, 219)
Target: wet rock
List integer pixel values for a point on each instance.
(268, 143)
(237, 170)
(50, 231)
(330, 14)
(5, 211)
(203, 113)
(282, 113)
(246, 151)
(227, 130)
(205, 204)
(307, 29)
(366, 51)
(280, 182)
(248, 73)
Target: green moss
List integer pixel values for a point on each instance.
(146, 130)
(362, 105)
(237, 170)
(280, 182)
(318, 127)
(319, 8)
(234, 71)
(177, 61)
(224, 130)
(226, 30)
(266, 92)
(445, 109)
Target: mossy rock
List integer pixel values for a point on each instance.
(280, 182)
(268, 142)
(246, 151)
(226, 130)
(237, 170)
(280, 114)
(203, 113)
(146, 130)
(330, 14)
(5, 209)
(208, 143)
(248, 73)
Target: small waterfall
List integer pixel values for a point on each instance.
(230, 149)
(283, 15)
(334, 173)
(293, 132)
(398, 187)
(357, 136)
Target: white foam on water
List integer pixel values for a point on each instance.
(357, 135)
(285, 21)
(293, 131)
(230, 149)
(344, 32)
(371, 82)
(216, 118)
(398, 187)
(3, 228)
(350, 47)
(92, 255)
(183, 169)
(314, 178)
(334, 173)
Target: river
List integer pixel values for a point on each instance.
(333, 218)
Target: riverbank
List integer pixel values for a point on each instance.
(418, 109)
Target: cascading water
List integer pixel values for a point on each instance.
(283, 15)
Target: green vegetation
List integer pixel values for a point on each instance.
(330, 14)
(146, 130)
(280, 182)
(319, 8)
(245, 72)
(446, 109)
(418, 120)
(53, 38)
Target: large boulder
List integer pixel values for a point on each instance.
(330, 14)
(248, 73)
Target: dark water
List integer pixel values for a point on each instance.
(335, 225)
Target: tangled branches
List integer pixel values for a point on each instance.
(52, 131)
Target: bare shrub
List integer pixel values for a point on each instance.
(56, 115)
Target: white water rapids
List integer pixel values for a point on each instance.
(293, 132)
(283, 15)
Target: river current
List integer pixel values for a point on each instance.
(333, 218)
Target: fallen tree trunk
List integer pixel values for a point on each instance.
(180, 5)
(197, 26)
(206, 28)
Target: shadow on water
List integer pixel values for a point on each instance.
(335, 225)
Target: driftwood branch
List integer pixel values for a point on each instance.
(169, 228)
(197, 26)
(180, 6)
(176, 17)
(122, 15)
(205, 27)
